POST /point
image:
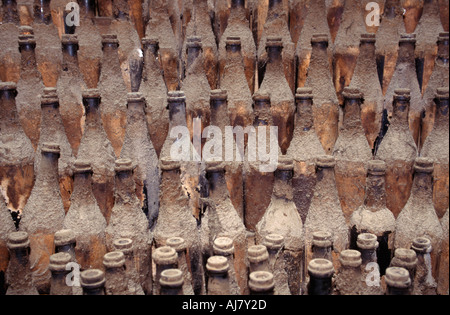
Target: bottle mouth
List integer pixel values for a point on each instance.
(165, 256)
(8, 86)
(177, 243)
(217, 265)
(377, 167)
(82, 167)
(114, 259)
(320, 39)
(397, 277)
(219, 95)
(351, 258)
(135, 97)
(402, 94)
(51, 148)
(92, 279)
(69, 39)
(110, 39)
(261, 281)
(257, 254)
(352, 94)
(17, 240)
(304, 93)
(59, 261)
(368, 38)
(424, 165)
(171, 278)
(64, 237)
(321, 268)
(91, 94)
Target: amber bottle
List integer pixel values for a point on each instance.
(139, 148)
(9, 53)
(276, 24)
(115, 273)
(424, 283)
(132, 263)
(52, 130)
(200, 26)
(93, 282)
(171, 282)
(407, 259)
(185, 266)
(114, 93)
(58, 263)
(443, 278)
(261, 283)
(315, 23)
(165, 258)
(44, 215)
(368, 245)
(349, 278)
(352, 152)
(239, 26)
(346, 49)
(18, 276)
(399, 151)
(277, 265)
(29, 88)
(223, 246)
(16, 152)
(65, 242)
(365, 78)
(322, 245)
(6, 227)
(232, 76)
(282, 218)
(305, 147)
(405, 77)
(320, 272)
(418, 218)
(326, 204)
(48, 49)
(435, 148)
(326, 110)
(218, 281)
(154, 90)
(159, 27)
(258, 258)
(70, 86)
(387, 38)
(86, 220)
(281, 97)
(398, 281)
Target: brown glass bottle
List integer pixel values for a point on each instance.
(52, 130)
(326, 110)
(282, 218)
(368, 245)
(171, 282)
(399, 151)
(96, 148)
(349, 278)
(70, 86)
(86, 220)
(305, 147)
(115, 273)
(6, 227)
(261, 283)
(139, 148)
(232, 77)
(93, 282)
(223, 246)
(132, 263)
(322, 245)
(154, 90)
(218, 281)
(44, 215)
(405, 77)
(373, 216)
(424, 283)
(276, 24)
(18, 276)
(185, 266)
(435, 148)
(346, 48)
(281, 97)
(258, 258)
(200, 26)
(9, 53)
(197, 89)
(443, 278)
(407, 259)
(428, 28)
(418, 218)
(315, 23)
(365, 78)
(239, 26)
(58, 263)
(387, 37)
(29, 88)
(352, 152)
(277, 264)
(320, 272)
(326, 204)
(398, 281)
(222, 220)
(165, 258)
(159, 27)
(114, 93)
(439, 78)
(16, 152)
(65, 242)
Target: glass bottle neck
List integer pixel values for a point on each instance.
(8, 110)
(319, 286)
(48, 172)
(392, 8)
(275, 57)
(443, 54)
(263, 115)
(375, 192)
(42, 12)
(28, 58)
(217, 185)
(406, 53)
(177, 115)
(193, 54)
(87, 8)
(442, 114)
(10, 12)
(125, 187)
(305, 117)
(431, 10)
(352, 114)
(121, 9)
(401, 113)
(82, 185)
(423, 187)
(219, 114)
(283, 185)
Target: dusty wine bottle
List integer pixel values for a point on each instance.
(261, 283)
(115, 273)
(171, 282)
(93, 282)
(398, 281)
(58, 264)
(320, 273)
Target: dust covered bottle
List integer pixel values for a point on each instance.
(305, 147)
(70, 86)
(171, 282)
(6, 227)
(261, 283)
(114, 93)
(368, 245)
(200, 26)
(320, 273)
(282, 218)
(315, 23)
(258, 258)
(96, 148)
(43, 215)
(52, 130)
(365, 79)
(9, 31)
(86, 220)
(326, 204)
(407, 259)
(277, 264)
(93, 282)
(325, 109)
(218, 279)
(398, 281)
(139, 148)
(29, 88)
(165, 258)
(115, 273)
(281, 97)
(128, 220)
(48, 49)
(405, 77)
(154, 90)
(277, 25)
(399, 151)
(65, 242)
(58, 285)
(238, 26)
(16, 152)
(443, 278)
(223, 246)
(179, 244)
(424, 283)
(159, 27)
(132, 263)
(322, 245)
(418, 218)
(349, 278)
(18, 275)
